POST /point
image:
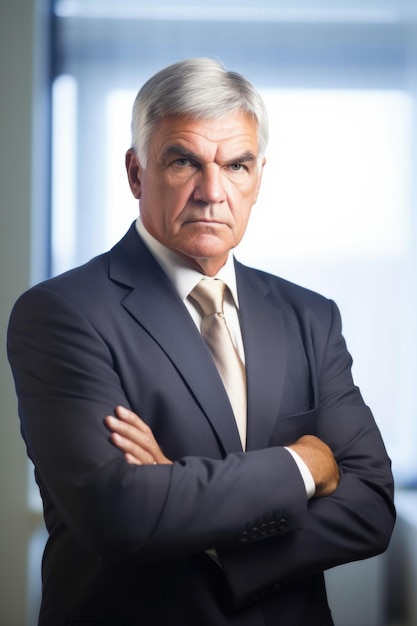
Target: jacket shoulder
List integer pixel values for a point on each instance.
(282, 289)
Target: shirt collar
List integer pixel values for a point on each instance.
(180, 273)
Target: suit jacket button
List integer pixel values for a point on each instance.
(263, 530)
(244, 537)
(282, 525)
(254, 534)
(272, 527)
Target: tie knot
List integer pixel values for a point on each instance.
(209, 294)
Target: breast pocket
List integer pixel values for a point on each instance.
(291, 427)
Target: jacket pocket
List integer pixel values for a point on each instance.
(291, 427)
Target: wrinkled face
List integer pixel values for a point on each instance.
(199, 185)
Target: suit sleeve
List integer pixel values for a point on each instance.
(66, 383)
(353, 523)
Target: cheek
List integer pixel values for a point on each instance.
(243, 222)
(163, 203)
(255, 190)
(241, 206)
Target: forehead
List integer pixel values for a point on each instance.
(229, 135)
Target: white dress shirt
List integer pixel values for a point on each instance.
(184, 279)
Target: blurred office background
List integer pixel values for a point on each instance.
(337, 212)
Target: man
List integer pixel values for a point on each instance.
(164, 505)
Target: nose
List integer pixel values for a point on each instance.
(209, 185)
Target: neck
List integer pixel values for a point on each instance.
(206, 266)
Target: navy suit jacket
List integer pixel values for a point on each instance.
(127, 544)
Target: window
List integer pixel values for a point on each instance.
(338, 198)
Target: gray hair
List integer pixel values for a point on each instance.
(199, 88)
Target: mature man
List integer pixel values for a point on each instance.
(200, 462)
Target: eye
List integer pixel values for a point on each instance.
(237, 167)
(183, 162)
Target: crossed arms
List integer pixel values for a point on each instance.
(67, 384)
(134, 437)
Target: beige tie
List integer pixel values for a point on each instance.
(209, 294)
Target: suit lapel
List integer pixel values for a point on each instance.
(156, 306)
(264, 338)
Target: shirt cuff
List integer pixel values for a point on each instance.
(305, 473)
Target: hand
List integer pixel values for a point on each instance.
(320, 461)
(131, 435)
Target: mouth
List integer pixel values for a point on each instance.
(205, 222)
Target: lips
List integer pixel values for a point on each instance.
(205, 222)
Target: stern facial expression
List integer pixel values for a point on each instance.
(199, 185)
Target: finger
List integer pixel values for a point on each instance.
(131, 418)
(131, 427)
(142, 433)
(129, 432)
(134, 461)
(134, 453)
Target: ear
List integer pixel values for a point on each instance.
(258, 186)
(134, 172)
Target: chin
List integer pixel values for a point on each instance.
(209, 252)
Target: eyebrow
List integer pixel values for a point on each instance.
(246, 157)
(178, 150)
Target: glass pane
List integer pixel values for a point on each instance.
(334, 214)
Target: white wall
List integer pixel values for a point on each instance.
(19, 264)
